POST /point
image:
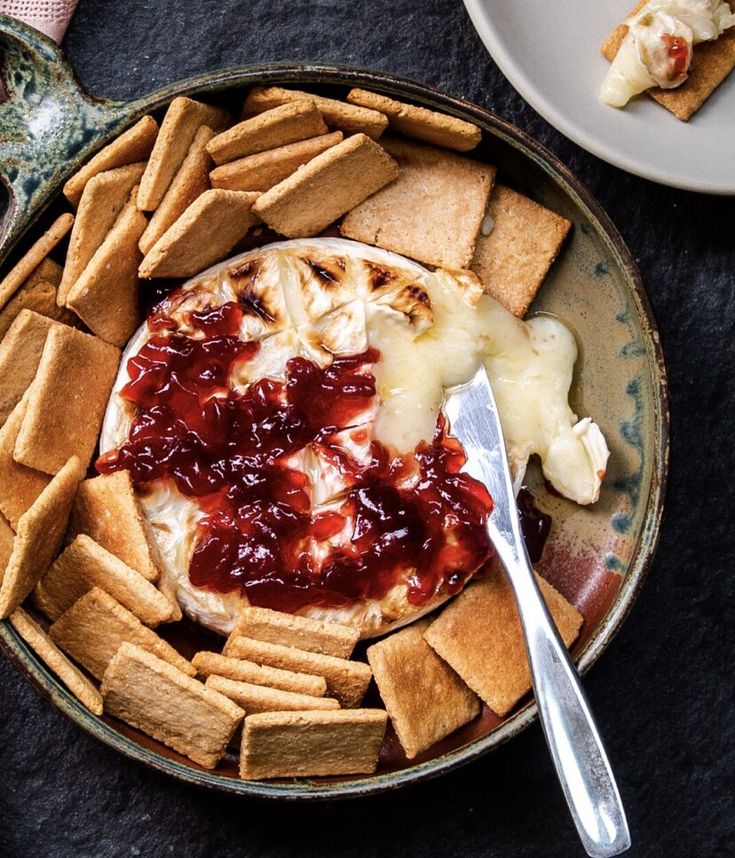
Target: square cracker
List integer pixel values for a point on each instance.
(449, 191)
(191, 180)
(712, 62)
(258, 698)
(38, 537)
(105, 296)
(183, 119)
(37, 293)
(305, 744)
(525, 239)
(288, 123)
(350, 118)
(326, 187)
(261, 171)
(479, 635)
(85, 564)
(425, 698)
(421, 123)
(67, 399)
(346, 680)
(19, 486)
(20, 353)
(95, 627)
(301, 632)
(51, 655)
(107, 509)
(102, 201)
(212, 663)
(130, 147)
(33, 257)
(204, 234)
(152, 696)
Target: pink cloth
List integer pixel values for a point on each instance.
(49, 16)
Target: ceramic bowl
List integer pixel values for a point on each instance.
(597, 557)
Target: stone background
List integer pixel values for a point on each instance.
(663, 690)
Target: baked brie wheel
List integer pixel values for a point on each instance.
(280, 417)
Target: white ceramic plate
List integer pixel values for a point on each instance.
(549, 51)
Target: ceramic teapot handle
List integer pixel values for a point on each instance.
(48, 123)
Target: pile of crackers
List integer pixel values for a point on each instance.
(167, 202)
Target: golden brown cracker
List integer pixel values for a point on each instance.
(190, 180)
(20, 353)
(514, 258)
(7, 535)
(204, 234)
(209, 663)
(85, 564)
(66, 401)
(479, 635)
(326, 187)
(449, 192)
(712, 62)
(131, 147)
(349, 118)
(288, 123)
(258, 698)
(33, 257)
(105, 295)
(425, 698)
(306, 744)
(183, 119)
(423, 124)
(152, 696)
(37, 294)
(260, 172)
(58, 663)
(92, 630)
(304, 633)
(102, 201)
(38, 537)
(107, 509)
(346, 680)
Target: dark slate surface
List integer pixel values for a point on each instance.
(662, 692)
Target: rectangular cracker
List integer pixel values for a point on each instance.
(288, 123)
(38, 537)
(301, 632)
(479, 635)
(261, 171)
(37, 293)
(425, 698)
(183, 119)
(514, 258)
(105, 296)
(306, 744)
(33, 257)
(92, 630)
(102, 201)
(19, 486)
(152, 696)
(7, 535)
(350, 118)
(190, 180)
(712, 62)
(57, 662)
(83, 565)
(204, 234)
(20, 353)
(130, 147)
(258, 698)
(107, 509)
(450, 193)
(346, 680)
(212, 663)
(430, 126)
(67, 400)
(326, 187)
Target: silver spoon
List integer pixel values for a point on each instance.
(571, 733)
